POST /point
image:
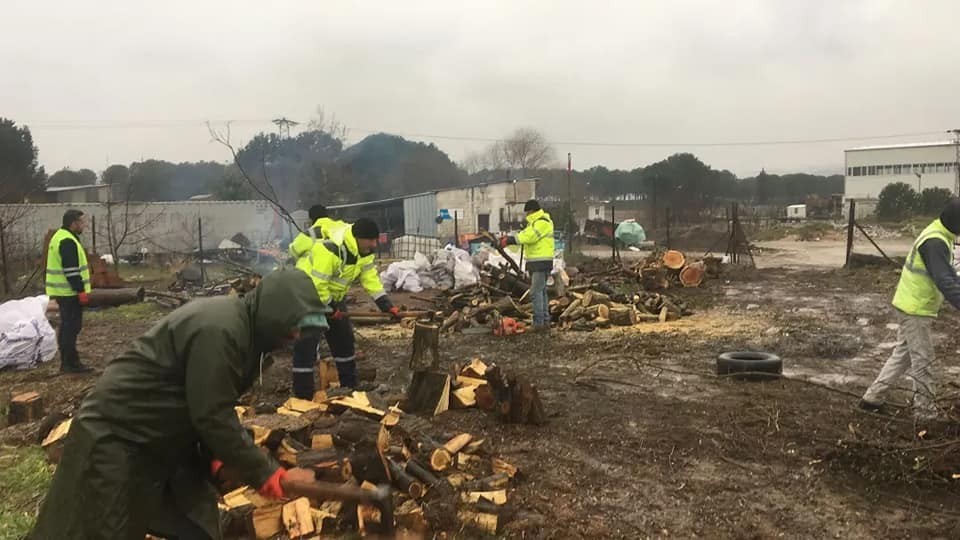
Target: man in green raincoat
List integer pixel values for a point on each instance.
(138, 456)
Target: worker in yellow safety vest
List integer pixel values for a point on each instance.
(68, 282)
(538, 250)
(321, 227)
(334, 264)
(928, 276)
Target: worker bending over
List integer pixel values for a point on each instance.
(321, 227)
(305, 348)
(335, 264)
(927, 277)
(138, 456)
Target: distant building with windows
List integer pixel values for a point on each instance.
(922, 165)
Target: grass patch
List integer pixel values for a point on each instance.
(24, 479)
(126, 312)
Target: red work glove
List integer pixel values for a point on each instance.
(84, 298)
(395, 311)
(503, 241)
(337, 315)
(271, 488)
(215, 467)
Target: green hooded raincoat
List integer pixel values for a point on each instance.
(137, 457)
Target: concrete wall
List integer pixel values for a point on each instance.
(158, 227)
(936, 165)
(500, 202)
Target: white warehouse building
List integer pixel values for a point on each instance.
(922, 165)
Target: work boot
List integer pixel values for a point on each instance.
(876, 408)
(75, 369)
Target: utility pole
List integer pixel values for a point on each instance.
(284, 123)
(956, 162)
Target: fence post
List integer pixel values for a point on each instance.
(613, 231)
(850, 224)
(200, 243)
(3, 252)
(456, 229)
(93, 225)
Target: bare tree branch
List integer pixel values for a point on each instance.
(224, 139)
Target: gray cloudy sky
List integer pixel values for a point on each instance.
(103, 82)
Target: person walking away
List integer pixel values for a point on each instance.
(147, 445)
(537, 241)
(305, 348)
(335, 264)
(68, 282)
(928, 276)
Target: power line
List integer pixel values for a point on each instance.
(81, 125)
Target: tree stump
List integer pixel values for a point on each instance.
(26, 407)
(674, 260)
(426, 347)
(692, 275)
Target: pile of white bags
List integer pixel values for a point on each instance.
(26, 337)
(448, 268)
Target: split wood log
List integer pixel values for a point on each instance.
(622, 315)
(692, 275)
(53, 443)
(674, 260)
(26, 407)
(464, 397)
(476, 368)
(517, 400)
(457, 443)
(297, 519)
(410, 516)
(426, 347)
(266, 522)
(329, 376)
(429, 392)
(497, 497)
(505, 306)
(115, 297)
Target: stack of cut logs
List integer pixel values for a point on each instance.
(593, 303)
(441, 481)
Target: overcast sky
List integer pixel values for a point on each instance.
(111, 82)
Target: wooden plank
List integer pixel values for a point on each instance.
(297, 519)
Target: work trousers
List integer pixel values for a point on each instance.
(342, 347)
(71, 321)
(538, 295)
(913, 356)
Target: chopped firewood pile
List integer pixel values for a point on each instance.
(500, 302)
(440, 481)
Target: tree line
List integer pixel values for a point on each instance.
(317, 165)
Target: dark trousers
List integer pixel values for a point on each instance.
(342, 348)
(71, 321)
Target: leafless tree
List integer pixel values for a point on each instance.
(266, 191)
(332, 126)
(126, 221)
(526, 149)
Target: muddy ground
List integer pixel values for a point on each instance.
(645, 441)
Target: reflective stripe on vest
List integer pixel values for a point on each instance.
(57, 283)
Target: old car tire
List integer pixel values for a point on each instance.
(749, 365)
